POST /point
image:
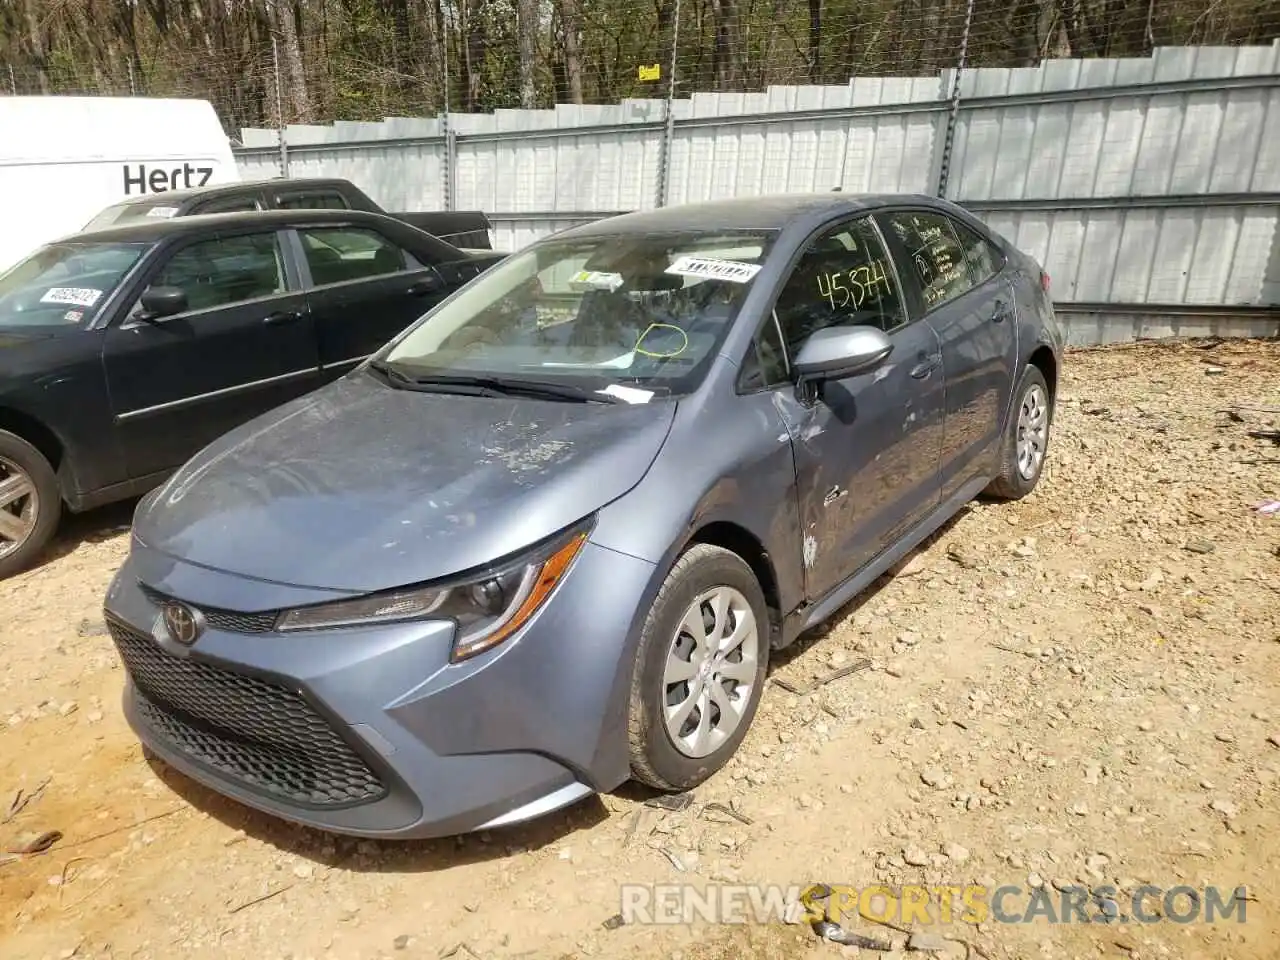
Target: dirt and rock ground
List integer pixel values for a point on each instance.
(1080, 688)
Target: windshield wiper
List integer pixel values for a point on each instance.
(392, 373)
(483, 385)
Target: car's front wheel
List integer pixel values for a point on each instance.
(700, 669)
(30, 503)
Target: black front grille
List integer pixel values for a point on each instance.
(230, 620)
(253, 731)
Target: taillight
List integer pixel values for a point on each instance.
(1044, 281)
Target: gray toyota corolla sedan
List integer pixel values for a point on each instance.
(545, 540)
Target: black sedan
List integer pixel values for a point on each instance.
(124, 351)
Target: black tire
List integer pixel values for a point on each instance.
(48, 508)
(655, 760)
(1012, 483)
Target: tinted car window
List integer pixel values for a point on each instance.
(629, 311)
(766, 364)
(229, 205)
(228, 270)
(338, 254)
(983, 259)
(934, 254)
(312, 201)
(64, 283)
(844, 278)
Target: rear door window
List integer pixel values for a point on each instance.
(340, 254)
(934, 255)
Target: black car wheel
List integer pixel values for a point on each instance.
(1026, 441)
(700, 669)
(30, 503)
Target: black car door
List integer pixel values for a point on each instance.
(969, 303)
(866, 451)
(363, 289)
(243, 345)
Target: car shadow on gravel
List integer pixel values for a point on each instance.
(380, 856)
(92, 526)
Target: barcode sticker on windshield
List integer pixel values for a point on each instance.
(165, 212)
(73, 296)
(731, 270)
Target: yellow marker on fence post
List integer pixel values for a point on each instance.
(650, 73)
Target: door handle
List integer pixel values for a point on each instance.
(926, 366)
(282, 316)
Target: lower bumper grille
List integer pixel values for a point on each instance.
(255, 732)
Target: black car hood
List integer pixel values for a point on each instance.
(361, 487)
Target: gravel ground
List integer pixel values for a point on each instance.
(1079, 688)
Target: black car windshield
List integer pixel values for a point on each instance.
(158, 209)
(64, 283)
(635, 314)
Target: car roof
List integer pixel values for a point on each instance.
(744, 213)
(146, 230)
(176, 197)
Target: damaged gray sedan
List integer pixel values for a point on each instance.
(545, 540)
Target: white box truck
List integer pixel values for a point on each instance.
(63, 159)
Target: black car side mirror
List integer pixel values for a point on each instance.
(429, 282)
(838, 352)
(160, 302)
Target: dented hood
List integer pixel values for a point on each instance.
(361, 486)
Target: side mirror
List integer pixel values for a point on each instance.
(429, 282)
(838, 352)
(158, 302)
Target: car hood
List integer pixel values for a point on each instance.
(361, 487)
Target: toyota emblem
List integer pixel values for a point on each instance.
(183, 624)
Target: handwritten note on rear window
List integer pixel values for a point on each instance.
(936, 254)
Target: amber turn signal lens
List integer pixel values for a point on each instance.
(545, 580)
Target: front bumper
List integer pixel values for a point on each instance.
(372, 731)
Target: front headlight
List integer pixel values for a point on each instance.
(486, 607)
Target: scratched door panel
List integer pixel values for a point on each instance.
(866, 447)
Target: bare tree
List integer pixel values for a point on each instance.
(570, 38)
(527, 25)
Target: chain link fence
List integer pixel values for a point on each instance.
(266, 63)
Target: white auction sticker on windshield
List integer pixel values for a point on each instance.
(72, 296)
(596, 280)
(731, 270)
(164, 212)
(629, 394)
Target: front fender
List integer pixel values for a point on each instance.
(726, 461)
(739, 471)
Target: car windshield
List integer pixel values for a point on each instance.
(159, 208)
(64, 283)
(646, 310)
